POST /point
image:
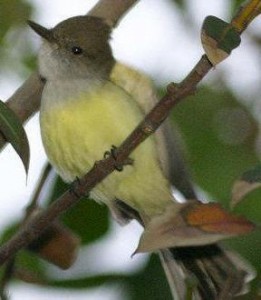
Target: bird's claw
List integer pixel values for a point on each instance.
(118, 166)
(73, 189)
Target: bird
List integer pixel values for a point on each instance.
(90, 103)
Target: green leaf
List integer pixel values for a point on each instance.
(88, 219)
(138, 285)
(181, 4)
(150, 282)
(220, 135)
(31, 264)
(235, 5)
(218, 38)
(9, 232)
(88, 282)
(13, 131)
(13, 13)
(249, 181)
(253, 175)
(250, 206)
(249, 247)
(25, 262)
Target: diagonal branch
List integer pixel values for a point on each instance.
(101, 169)
(26, 100)
(110, 11)
(104, 167)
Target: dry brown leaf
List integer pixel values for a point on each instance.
(210, 46)
(58, 245)
(193, 224)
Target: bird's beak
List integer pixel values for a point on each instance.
(42, 31)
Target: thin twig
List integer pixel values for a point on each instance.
(101, 169)
(111, 11)
(35, 197)
(10, 268)
(9, 272)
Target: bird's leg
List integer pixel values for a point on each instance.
(118, 166)
(125, 212)
(74, 188)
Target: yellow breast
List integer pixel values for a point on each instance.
(77, 132)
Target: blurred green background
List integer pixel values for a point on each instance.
(221, 134)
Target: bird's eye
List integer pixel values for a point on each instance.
(77, 50)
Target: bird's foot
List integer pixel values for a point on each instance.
(75, 188)
(118, 165)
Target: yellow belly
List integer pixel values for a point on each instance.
(77, 133)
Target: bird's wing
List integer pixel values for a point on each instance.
(207, 272)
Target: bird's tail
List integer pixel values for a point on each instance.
(205, 272)
(200, 272)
